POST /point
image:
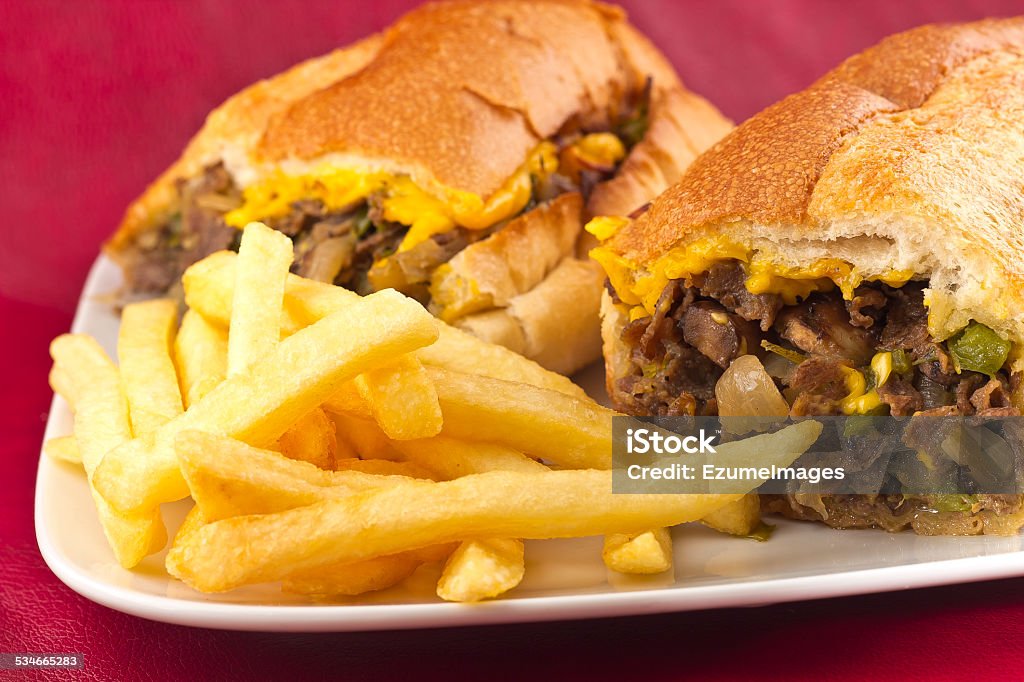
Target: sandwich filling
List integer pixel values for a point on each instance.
(827, 342)
(367, 229)
(868, 353)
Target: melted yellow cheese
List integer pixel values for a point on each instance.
(636, 286)
(644, 288)
(603, 227)
(404, 202)
(600, 149)
(859, 400)
(637, 312)
(881, 365)
(795, 284)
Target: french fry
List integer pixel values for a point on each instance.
(402, 399)
(493, 505)
(209, 288)
(147, 369)
(311, 439)
(259, 405)
(479, 569)
(498, 504)
(349, 401)
(201, 356)
(192, 522)
(572, 433)
(383, 467)
(101, 423)
(224, 469)
(343, 448)
(364, 437)
(60, 382)
(452, 458)
(482, 569)
(255, 330)
(264, 257)
(371, 575)
(426, 458)
(63, 449)
(644, 553)
(741, 517)
(462, 352)
(229, 478)
(350, 580)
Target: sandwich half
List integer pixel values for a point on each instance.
(853, 249)
(453, 157)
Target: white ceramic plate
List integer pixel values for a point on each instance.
(565, 579)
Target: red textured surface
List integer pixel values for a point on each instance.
(97, 97)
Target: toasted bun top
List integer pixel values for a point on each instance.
(462, 91)
(905, 157)
(454, 94)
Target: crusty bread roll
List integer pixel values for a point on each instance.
(862, 238)
(540, 322)
(906, 157)
(491, 272)
(455, 96)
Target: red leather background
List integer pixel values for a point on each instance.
(97, 97)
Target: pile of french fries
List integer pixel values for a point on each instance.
(336, 443)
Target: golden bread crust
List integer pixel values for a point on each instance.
(768, 171)
(682, 126)
(460, 92)
(432, 95)
(238, 124)
(554, 323)
(491, 272)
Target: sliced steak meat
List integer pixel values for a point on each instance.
(866, 307)
(301, 217)
(901, 397)
(202, 229)
(670, 385)
(998, 514)
(725, 282)
(672, 304)
(678, 355)
(965, 388)
(821, 326)
(934, 362)
(999, 412)
(691, 370)
(944, 411)
(820, 383)
(933, 394)
(670, 377)
(155, 261)
(906, 322)
(720, 336)
(813, 405)
(339, 244)
(701, 325)
(993, 395)
(820, 375)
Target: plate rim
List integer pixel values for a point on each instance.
(378, 617)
